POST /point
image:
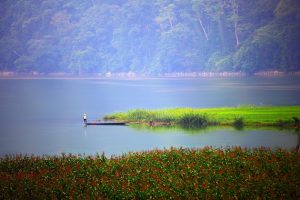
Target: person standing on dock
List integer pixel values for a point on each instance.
(84, 118)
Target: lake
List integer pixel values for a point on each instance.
(44, 116)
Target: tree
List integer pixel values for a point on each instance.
(149, 36)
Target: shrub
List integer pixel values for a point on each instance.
(296, 121)
(239, 122)
(283, 123)
(192, 120)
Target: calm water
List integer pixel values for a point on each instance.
(45, 116)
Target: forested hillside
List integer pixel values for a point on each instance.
(149, 36)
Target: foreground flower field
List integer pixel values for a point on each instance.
(171, 173)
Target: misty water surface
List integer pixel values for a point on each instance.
(45, 116)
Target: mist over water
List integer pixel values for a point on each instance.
(42, 116)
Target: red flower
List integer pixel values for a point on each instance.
(20, 175)
(196, 185)
(204, 184)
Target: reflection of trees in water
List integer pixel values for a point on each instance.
(297, 130)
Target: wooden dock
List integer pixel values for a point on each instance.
(106, 123)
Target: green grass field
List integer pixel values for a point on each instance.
(237, 116)
(207, 173)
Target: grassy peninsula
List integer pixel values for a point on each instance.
(206, 173)
(277, 116)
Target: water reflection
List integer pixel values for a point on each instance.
(207, 129)
(85, 130)
(232, 136)
(297, 131)
(170, 129)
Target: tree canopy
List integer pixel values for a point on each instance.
(158, 36)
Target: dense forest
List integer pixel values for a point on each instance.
(143, 36)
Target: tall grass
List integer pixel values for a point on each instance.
(236, 116)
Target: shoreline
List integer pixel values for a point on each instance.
(215, 125)
(141, 76)
(156, 124)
